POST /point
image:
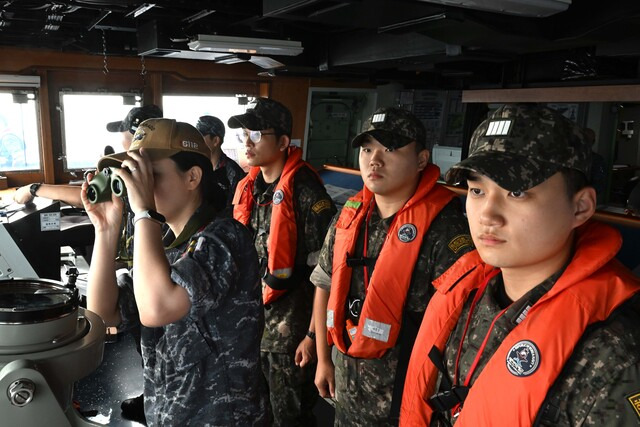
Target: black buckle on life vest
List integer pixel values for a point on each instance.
(448, 399)
(361, 262)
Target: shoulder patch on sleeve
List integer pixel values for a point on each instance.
(321, 206)
(352, 204)
(634, 400)
(459, 242)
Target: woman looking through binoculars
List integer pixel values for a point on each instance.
(190, 297)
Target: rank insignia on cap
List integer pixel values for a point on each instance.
(278, 196)
(407, 233)
(498, 128)
(377, 118)
(634, 400)
(523, 359)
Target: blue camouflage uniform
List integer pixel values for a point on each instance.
(204, 369)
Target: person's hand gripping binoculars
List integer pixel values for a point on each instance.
(134, 179)
(105, 183)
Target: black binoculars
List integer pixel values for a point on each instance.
(105, 183)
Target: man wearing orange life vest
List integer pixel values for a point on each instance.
(378, 260)
(539, 326)
(285, 205)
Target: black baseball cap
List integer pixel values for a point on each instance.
(135, 116)
(210, 125)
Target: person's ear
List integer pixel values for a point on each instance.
(284, 142)
(193, 177)
(423, 159)
(216, 142)
(584, 202)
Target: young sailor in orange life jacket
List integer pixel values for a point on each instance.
(379, 258)
(540, 325)
(285, 205)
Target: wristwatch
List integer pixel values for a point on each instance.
(33, 188)
(311, 335)
(149, 214)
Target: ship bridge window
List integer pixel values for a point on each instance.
(19, 136)
(84, 126)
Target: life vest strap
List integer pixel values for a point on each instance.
(453, 395)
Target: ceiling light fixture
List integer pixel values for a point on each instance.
(212, 43)
(141, 9)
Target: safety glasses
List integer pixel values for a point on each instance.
(254, 135)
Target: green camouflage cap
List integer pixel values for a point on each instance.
(522, 145)
(264, 113)
(393, 128)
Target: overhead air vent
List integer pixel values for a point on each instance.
(213, 43)
(155, 41)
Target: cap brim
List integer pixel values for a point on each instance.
(384, 137)
(247, 121)
(115, 160)
(511, 172)
(115, 126)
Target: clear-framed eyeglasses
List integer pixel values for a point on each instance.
(254, 135)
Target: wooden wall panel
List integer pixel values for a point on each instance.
(293, 93)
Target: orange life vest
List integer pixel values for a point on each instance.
(591, 288)
(381, 314)
(283, 233)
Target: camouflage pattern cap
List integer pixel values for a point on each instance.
(210, 125)
(264, 113)
(522, 145)
(135, 116)
(161, 138)
(393, 128)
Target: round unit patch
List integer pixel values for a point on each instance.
(407, 233)
(523, 358)
(277, 197)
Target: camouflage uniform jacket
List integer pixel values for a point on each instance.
(599, 386)
(204, 369)
(364, 387)
(233, 174)
(287, 320)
